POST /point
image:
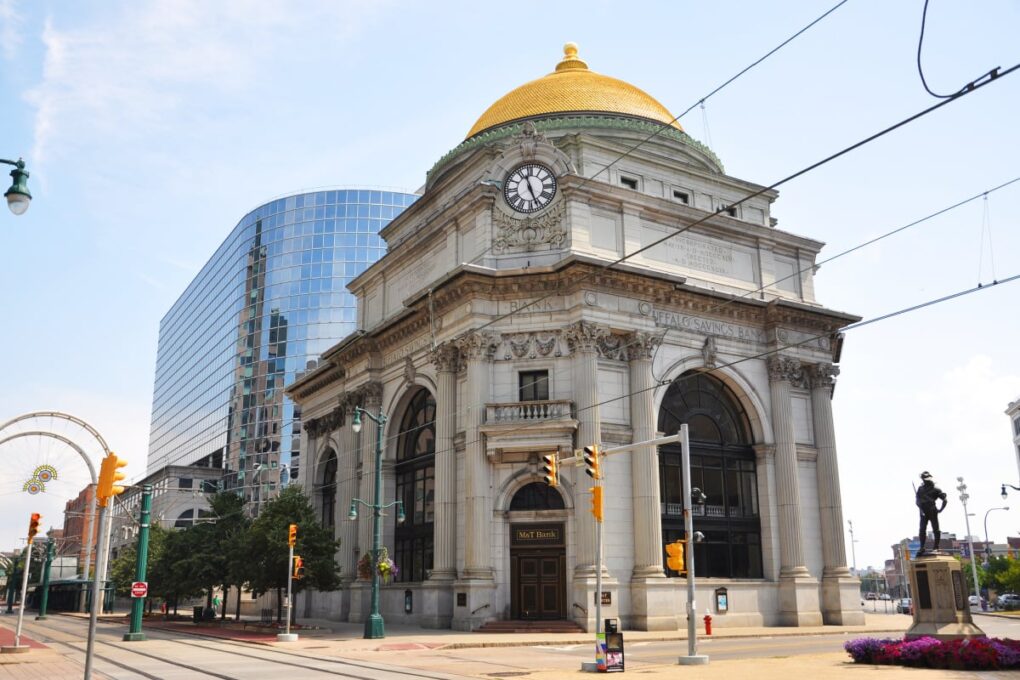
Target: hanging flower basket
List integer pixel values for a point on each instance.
(386, 567)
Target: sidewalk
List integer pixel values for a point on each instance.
(41, 662)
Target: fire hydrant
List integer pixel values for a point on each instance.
(708, 624)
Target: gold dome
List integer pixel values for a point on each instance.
(572, 87)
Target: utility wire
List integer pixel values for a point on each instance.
(920, 70)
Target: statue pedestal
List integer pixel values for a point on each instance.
(939, 589)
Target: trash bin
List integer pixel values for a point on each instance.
(196, 614)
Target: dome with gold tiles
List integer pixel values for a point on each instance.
(572, 88)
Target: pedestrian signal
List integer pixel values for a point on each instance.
(292, 535)
(33, 525)
(596, 502)
(591, 461)
(675, 556)
(299, 567)
(551, 468)
(109, 475)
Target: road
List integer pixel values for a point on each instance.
(172, 656)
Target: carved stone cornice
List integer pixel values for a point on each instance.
(532, 345)
(526, 235)
(823, 375)
(585, 336)
(446, 357)
(478, 344)
(333, 420)
(347, 402)
(641, 346)
(369, 395)
(786, 368)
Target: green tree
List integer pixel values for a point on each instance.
(268, 551)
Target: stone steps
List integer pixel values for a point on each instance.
(557, 626)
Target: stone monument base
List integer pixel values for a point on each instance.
(939, 590)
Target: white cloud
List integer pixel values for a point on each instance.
(10, 29)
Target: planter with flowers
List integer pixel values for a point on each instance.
(973, 654)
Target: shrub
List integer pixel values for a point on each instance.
(972, 654)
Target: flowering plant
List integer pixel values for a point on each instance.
(386, 567)
(926, 652)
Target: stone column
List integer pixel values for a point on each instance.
(477, 580)
(644, 462)
(346, 490)
(840, 590)
(447, 359)
(796, 607)
(584, 339)
(651, 593)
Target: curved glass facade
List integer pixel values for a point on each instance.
(271, 299)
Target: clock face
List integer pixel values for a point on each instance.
(530, 187)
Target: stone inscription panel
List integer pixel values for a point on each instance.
(700, 253)
(703, 326)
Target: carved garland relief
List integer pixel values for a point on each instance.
(527, 234)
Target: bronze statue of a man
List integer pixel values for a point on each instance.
(926, 496)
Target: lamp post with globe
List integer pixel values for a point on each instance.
(18, 196)
(374, 625)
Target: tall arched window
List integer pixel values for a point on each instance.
(415, 476)
(537, 496)
(722, 466)
(327, 491)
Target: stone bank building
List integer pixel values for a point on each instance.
(500, 327)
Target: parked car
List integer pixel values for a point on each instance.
(871, 596)
(903, 605)
(974, 601)
(1008, 601)
(884, 596)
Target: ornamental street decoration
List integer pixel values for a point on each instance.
(37, 483)
(33, 486)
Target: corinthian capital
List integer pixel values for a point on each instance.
(371, 394)
(585, 336)
(641, 346)
(478, 344)
(446, 357)
(823, 375)
(786, 368)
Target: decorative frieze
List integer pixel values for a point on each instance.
(446, 357)
(478, 344)
(786, 368)
(333, 420)
(532, 345)
(823, 375)
(526, 235)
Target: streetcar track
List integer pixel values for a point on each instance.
(397, 671)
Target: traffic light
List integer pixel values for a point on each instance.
(551, 468)
(292, 535)
(675, 556)
(299, 566)
(591, 461)
(108, 475)
(596, 502)
(33, 525)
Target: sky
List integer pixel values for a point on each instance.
(150, 128)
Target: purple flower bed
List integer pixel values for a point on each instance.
(971, 655)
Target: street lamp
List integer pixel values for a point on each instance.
(374, 626)
(853, 550)
(988, 548)
(962, 488)
(1004, 494)
(18, 196)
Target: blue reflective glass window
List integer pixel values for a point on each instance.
(387, 197)
(363, 196)
(320, 198)
(320, 212)
(330, 197)
(330, 211)
(375, 211)
(299, 201)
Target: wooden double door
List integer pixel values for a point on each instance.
(538, 583)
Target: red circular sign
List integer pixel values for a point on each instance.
(139, 589)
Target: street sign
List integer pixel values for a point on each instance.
(139, 589)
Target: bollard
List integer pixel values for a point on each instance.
(708, 624)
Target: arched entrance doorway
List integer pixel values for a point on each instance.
(538, 555)
(722, 466)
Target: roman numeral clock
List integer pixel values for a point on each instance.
(529, 188)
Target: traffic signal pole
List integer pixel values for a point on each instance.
(104, 542)
(692, 657)
(135, 633)
(24, 593)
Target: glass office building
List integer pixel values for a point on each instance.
(271, 299)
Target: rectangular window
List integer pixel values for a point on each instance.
(1016, 427)
(682, 196)
(629, 182)
(533, 385)
(184, 483)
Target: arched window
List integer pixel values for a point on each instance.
(722, 467)
(327, 490)
(537, 496)
(185, 519)
(415, 477)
